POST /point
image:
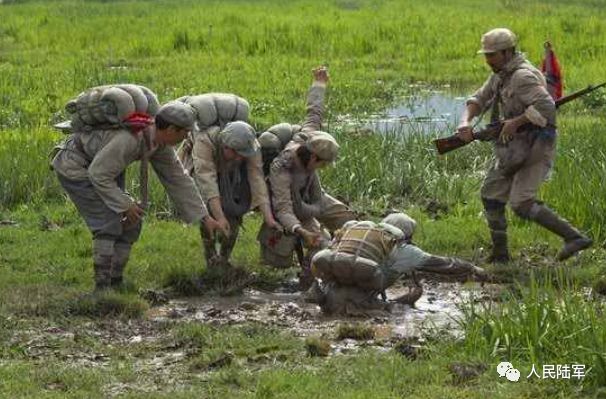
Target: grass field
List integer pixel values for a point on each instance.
(264, 51)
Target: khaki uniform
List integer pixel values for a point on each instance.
(91, 168)
(521, 165)
(519, 89)
(208, 164)
(243, 187)
(370, 258)
(296, 194)
(383, 251)
(292, 184)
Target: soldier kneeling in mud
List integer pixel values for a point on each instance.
(365, 258)
(299, 202)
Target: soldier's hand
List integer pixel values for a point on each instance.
(223, 226)
(465, 132)
(134, 214)
(271, 222)
(310, 239)
(321, 74)
(210, 225)
(510, 128)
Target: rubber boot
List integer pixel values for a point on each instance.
(500, 250)
(494, 211)
(574, 240)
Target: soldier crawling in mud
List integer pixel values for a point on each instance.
(517, 95)
(298, 200)
(91, 164)
(365, 258)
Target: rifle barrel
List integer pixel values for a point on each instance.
(578, 93)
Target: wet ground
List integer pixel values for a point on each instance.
(436, 311)
(425, 111)
(163, 362)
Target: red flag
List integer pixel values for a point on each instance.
(553, 74)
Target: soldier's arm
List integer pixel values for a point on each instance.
(280, 181)
(315, 190)
(107, 164)
(258, 187)
(406, 258)
(448, 265)
(532, 91)
(179, 186)
(474, 106)
(315, 101)
(483, 96)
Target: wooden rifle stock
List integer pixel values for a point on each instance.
(450, 143)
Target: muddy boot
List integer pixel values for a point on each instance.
(103, 251)
(494, 211)
(500, 250)
(574, 240)
(119, 260)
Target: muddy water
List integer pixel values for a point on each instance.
(436, 310)
(427, 111)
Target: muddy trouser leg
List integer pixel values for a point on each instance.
(104, 224)
(122, 250)
(228, 243)
(495, 193)
(334, 213)
(208, 242)
(523, 199)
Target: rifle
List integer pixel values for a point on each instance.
(492, 130)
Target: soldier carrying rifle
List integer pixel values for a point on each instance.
(517, 97)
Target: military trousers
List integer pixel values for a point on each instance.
(102, 222)
(523, 185)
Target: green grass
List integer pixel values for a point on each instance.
(263, 51)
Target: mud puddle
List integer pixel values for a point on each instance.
(436, 311)
(426, 111)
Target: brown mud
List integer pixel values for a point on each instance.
(437, 310)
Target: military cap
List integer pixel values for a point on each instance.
(496, 40)
(323, 145)
(240, 137)
(178, 114)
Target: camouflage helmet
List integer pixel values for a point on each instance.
(496, 40)
(403, 222)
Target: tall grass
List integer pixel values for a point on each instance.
(50, 51)
(551, 321)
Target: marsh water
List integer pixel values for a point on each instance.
(425, 111)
